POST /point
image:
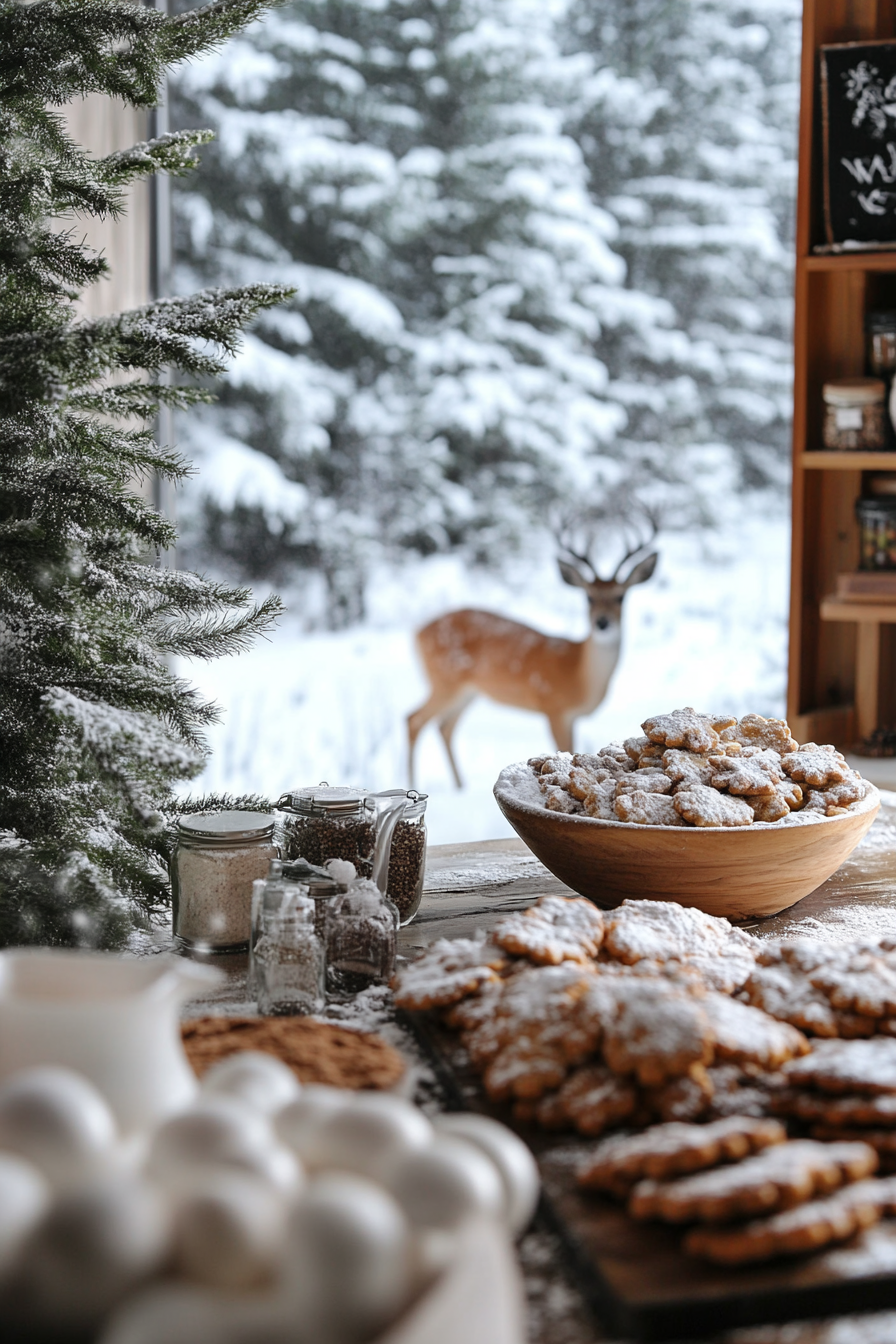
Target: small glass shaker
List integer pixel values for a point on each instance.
(287, 955)
(361, 936)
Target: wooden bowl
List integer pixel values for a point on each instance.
(740, 872)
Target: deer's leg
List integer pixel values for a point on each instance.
(437, 706)
(561, 730)
(447, 725)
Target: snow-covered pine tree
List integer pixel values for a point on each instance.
(689, 129)
(435, 383)
(94, 727)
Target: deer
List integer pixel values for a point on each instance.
(469, 653)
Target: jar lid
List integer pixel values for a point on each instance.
(223, 828)
(415, 805)
(881, 319)
(324, 801)
(854, 391)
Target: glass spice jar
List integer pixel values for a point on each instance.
(362, 925)
(854, 414)
(217, 856)
(407, 861)
(880, 329)
(287, 955)
(876, 515)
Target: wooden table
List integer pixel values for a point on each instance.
(470, 887)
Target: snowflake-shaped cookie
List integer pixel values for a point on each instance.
(687, 728)
(647, 780)
(448, 971)
(685, 768)
(647, 809)
(703, 806)
(815, 765)
(755, 731)
(664, 932)
(787, 798)
(557, 928)
(754, 774)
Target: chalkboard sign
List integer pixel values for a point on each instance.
(858, 104)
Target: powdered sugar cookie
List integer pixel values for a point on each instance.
(664, 1152)
(748, 1035)
(755, 731)
(658, 1032)
(634, 746)
(811, 1226)
(647, 780)
(853, 1112)
(778, 1178)
(651, 756)
(472, 1012)
(592, 1100)
(582, 781)
(603, 766)
(448, 971)
(686, 728)
(683, 1099)
(883, 1141)
(555, 929)
(703, 806)
(747, 774)
(846, 1066)
(647, 809)
(818, 766)
(838, 798)
(600, 802)
(537, 999)
(685, 768)
(787, 798)
(735, 1092)
(663, 932)
(559, 799)
(858, 982)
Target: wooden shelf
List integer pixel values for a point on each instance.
(835, 608)
(849, 261)
(855, 461)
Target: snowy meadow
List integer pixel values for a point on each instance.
(709, 630)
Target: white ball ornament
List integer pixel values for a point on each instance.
(515, 1163)
(228, 1231)
(441, 1186)
(93, 1245)
(262, 1081)
(24, 1196)
(220, 1132)
(368, 1136)
(348, 1270)
(57, 1120)
(176, 1313)
(315, 1105)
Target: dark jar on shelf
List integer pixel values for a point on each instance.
(876, 514)
(855, 415)
(880, 331)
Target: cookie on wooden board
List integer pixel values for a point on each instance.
(555, 929)
(317, 1052)
(846, 1066)
(809, 1227)
(448, 971)
(663, 931)
(778, 1178)
(670, 1150)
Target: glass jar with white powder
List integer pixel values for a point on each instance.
(217, 857)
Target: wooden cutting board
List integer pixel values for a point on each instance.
(639, 1282)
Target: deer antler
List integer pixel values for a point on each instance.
(653, 520)
(561, 533)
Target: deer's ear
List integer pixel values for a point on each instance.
(643, 570)
(569, 574)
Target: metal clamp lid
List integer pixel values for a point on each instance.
(325, 801)
(223, 828)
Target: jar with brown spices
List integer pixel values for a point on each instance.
(382, 834)
(855, 415)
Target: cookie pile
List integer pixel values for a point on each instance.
(588, 1020)
(746, 1192)
(843, 1091)
(692, 769)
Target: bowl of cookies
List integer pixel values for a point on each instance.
(731, 816)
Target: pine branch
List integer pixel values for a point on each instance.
(174, 153)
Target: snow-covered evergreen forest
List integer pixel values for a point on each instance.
(541, 255)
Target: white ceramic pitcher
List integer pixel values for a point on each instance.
(113, 1019)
